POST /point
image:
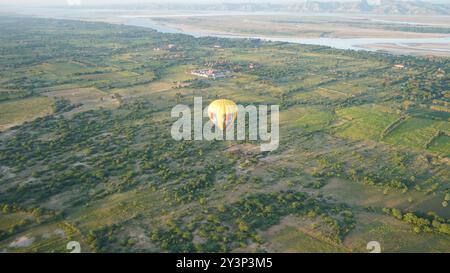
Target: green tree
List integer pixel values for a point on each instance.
(243, 227)
(6, 209)
(397, 213)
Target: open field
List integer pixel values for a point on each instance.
(85, 98)
(366, 122)
(296, 235)
(16, 112)
(440, 144)
(392, 234)
(417, 132)
(308, 119)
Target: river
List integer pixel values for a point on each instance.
(144, 18)
(340, 43)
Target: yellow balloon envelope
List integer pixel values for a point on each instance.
(222, 113)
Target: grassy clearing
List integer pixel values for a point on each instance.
(429, 113)
(310, 119)
(417, 132)
(393, 236)
(78, 95)
(330, 94)
(291, 240)
(16, 112)
(46, 239)
(9, 220)
(308, 96)
(56, 70)
(358, 194)
(169, 81)
(117, 208)
(89, 98)
(364, 122)
(441, 144)
(346, 88)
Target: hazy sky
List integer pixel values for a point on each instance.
(103, 2)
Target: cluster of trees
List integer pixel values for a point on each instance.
(105, 148)
(419, 29)
(64, 169)
(279, 73)
(391, 172)
(9, 95)
(100, 239)
(63, 105)
(8, 208)
(198, 84)
(229, 226)
(15, 228)
(428, 223)
(36, 215)
(393, 177)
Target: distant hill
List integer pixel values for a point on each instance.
(387, 7)
(376, 7)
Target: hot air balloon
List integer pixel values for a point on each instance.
(222, 113)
